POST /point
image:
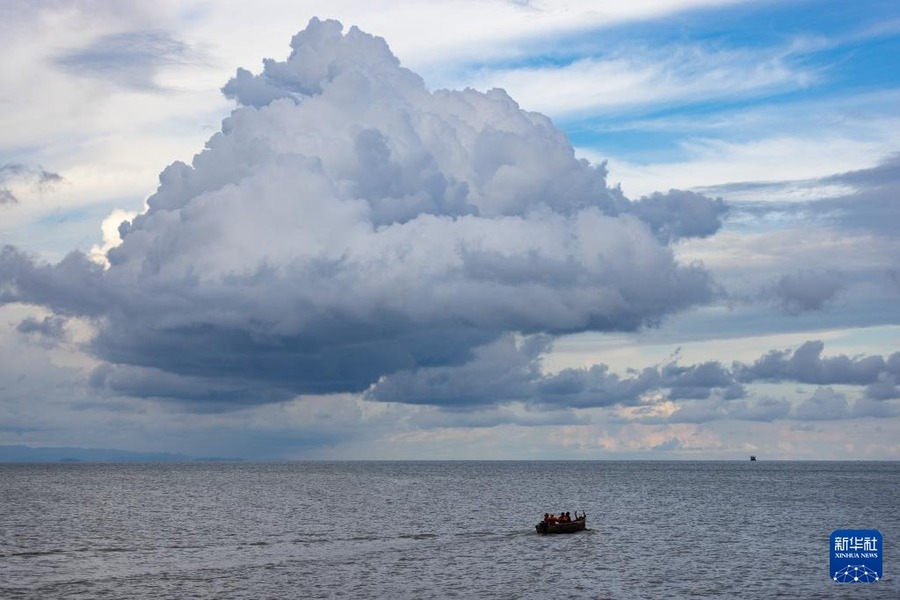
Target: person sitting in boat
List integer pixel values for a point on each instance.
(562, 518)
(568, 517)
(551, 519)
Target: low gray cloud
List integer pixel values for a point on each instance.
(886, 388)
(875, 408)
(498, 373)
(347, 226)
(807, 365)
(509, 371)
(13, 174)
(203, 394)
(764, 409)
(837, 248)
(824, 404)
(872, 205)
(865, 202)
(681, 214)
(130, 59)
(698, 381)
(595, 386)
(670, 445)
(49, 329)
(74, 286)
(805, 291)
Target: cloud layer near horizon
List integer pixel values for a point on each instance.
(506, 372)
(347, 224)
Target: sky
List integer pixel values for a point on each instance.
(452, 230)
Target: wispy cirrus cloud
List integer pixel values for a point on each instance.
(131, 59)
(633, 79)
(14, 176)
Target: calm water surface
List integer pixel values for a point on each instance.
(440, 529)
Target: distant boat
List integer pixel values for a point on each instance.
(752, 458)
(579, 524)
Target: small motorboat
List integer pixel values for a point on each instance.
(576, 524)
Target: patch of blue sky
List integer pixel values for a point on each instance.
(823, 48)
(718, 65)
(635, 145)
(57, 233)
(657, 133)
(867, 64)
(773, 23)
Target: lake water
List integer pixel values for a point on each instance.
(440, 529)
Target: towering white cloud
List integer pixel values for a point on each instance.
(346, 224)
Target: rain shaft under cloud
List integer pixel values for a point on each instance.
(347, 224)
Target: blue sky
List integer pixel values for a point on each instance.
(671, 234)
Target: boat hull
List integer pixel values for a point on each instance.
(571, 527)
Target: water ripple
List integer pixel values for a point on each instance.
(418, 530)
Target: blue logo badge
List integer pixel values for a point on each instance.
(856, 555)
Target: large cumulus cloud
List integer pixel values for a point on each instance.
(348, 224)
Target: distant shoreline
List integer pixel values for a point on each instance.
(72, 455)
